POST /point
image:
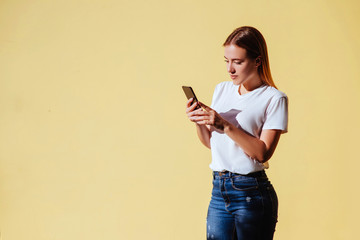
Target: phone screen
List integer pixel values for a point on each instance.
(189, 92)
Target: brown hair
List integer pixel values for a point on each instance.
(253, 41)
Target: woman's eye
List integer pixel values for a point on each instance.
(226, 61)
(237, 62)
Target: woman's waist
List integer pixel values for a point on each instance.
(227, 174)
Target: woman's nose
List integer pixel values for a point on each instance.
(230, 68)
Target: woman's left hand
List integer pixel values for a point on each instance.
(208, 117)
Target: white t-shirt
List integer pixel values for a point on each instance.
(263, 108)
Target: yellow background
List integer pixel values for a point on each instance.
(94, 141)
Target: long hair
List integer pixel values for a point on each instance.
(253, 41)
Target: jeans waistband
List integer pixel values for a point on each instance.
(227, 174)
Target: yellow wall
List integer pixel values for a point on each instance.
(94, 141)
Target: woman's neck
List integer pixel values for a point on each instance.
(249, 86)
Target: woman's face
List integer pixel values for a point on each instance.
(241, 68)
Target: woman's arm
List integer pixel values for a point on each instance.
(202, 130)
(260, 149)
(204, 135)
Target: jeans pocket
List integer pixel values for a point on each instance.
(244, 184)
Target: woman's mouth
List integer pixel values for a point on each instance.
(233, 76)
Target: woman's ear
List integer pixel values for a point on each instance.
(258, 61)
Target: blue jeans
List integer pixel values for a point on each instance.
(242, 207)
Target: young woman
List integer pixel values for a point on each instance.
(242, 128)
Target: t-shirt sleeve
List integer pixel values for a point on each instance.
(215, 95)
(276, 115)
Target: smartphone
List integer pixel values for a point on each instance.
(189, 92)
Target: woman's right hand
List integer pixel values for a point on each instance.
(193, 113)
(191, 109)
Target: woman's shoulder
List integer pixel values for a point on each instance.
(224, 86)
(222, 89)
(274, 93)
